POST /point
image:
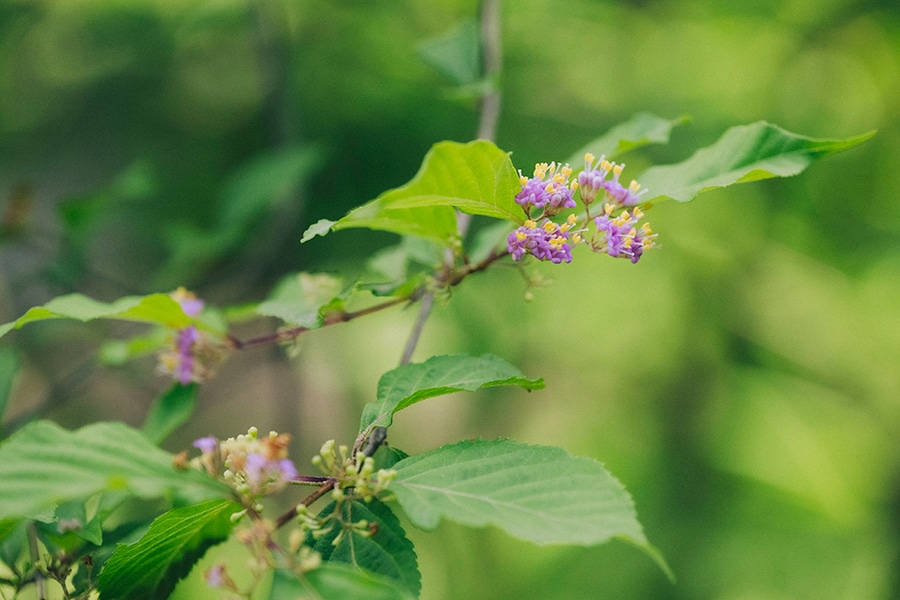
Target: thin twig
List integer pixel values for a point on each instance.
(493, 60)
(332, 319)
(416, 333)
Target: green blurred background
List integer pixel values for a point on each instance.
(743, 381)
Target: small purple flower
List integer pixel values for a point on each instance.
(621, 236)
(261, 471)
(550, 187)
(594, 178)
(590, 180)
(549, 242)
(257, 469)
(216, 577)
(532, 194)
(190, 304)
(206, 444)
(288, 470)
(187, 337)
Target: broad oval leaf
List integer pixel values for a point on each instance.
(42, 465)
(150, 568)
(537, 493)
(744, 153)
(640, 130)
(386, 552)
(406, 385)
(334, 582)
(155, 308)
(477, 178)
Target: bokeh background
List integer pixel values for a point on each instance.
(743, 381)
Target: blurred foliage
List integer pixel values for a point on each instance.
(741, 381)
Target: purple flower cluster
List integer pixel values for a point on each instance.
(549, 189)
(549, 242)
(621, 236)
(262, 471)
(253, 467)
(192, 355)
(594, 178)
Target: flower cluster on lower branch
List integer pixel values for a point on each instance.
(616, 230)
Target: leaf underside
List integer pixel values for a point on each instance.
(744, 153)
(536, 493)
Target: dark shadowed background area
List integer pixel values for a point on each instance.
(743, 380)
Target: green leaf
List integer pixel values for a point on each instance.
(436, 223)
(13, 540)
(744, 153)
(406, 385)
(80, 527)
(334, 582)
(641, 130)
(170, 411)
(175, 541)
(155, 308)
(299, 299)
(320, 227)
(476, 178)
(456, 53)
(42, 465)
(536, 493)
(386, 552)
(9, 366)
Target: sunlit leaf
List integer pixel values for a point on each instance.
(155, 308)
(536, 493)
(477, 178)
(744, 153)
(406, 385)
(641, 130)
(176, 540)
(386, 551)
(42, 465)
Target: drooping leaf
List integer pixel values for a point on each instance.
(335, 582)
(536, 493)
(42, 465)
(439, 375)
(386, 552)
(155, 308)
(175, 541)
(744, 153)
(299, 299)
(477, 178)
(170, 411)
(641, 130)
